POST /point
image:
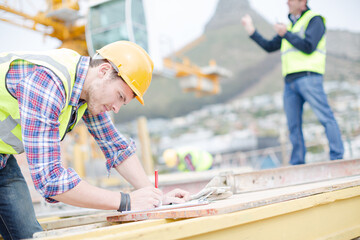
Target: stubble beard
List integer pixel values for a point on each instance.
(91, 102)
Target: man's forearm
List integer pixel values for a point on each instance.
(269, 46)
(132, 170)
(88, 196)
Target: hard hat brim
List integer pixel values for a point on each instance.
(128, 82)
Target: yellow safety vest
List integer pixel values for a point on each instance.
(200, 160)
(63, 63)
(294, 60)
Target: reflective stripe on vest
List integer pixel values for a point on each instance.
(296, 50)
(294, 60)
(63, 63)
(6, 126)
(43, 58)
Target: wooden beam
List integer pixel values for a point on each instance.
(332, 215)
(147, 160)
(71, 230)
(308, 211)
(74, 221)
(292, 175)
(98, 233)
(329, 215)
(243, 201)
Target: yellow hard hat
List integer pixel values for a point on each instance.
(133, 64)
(170, 157)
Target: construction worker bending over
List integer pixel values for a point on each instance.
(303, 51)
(188, 159)
(43, 95)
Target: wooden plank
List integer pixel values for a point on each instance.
(74, 221)
(244, 180)
(292, 175)
(68, 211)
(243, 201)
(70, 230)
(146, 153)
(83, 233)
(332, 215)
(237, 204)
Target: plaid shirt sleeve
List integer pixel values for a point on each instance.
(41, 98)
(114, 145)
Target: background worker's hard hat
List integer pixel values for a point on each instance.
(170, 157)
(133, 64)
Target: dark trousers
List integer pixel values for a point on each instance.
(17, 215)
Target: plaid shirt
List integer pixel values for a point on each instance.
(41, 97)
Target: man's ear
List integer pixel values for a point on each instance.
(103, 69)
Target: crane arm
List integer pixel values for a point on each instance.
(60, 31)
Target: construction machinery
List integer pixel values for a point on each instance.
(202, 81)
(108, 21)
(59, 20)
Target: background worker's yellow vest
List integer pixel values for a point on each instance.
(200, 160)
(63, 62)
(293, 60)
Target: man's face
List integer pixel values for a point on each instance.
(296, 6)
(108, 93)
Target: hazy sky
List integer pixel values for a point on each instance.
(174, 23)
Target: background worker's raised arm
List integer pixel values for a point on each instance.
(248, 24)
(268, 45)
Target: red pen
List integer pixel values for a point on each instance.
(156, 178)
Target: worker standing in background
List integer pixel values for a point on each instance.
(42, 97)
(187, 160)
(303, 52)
